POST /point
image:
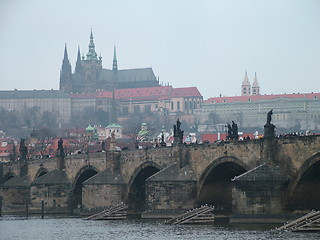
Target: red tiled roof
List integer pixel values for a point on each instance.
(212, 137)
(145, 93)
(149, 93)
(262, 97)
(185, 92)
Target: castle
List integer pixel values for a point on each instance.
(89, 76)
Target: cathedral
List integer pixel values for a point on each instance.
(89, 76)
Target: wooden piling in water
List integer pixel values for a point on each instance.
(0, 206)
(42, 209)
(27, 209)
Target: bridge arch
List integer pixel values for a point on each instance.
(303, 189)
(214, 186)
(84, 173)
(136, 186)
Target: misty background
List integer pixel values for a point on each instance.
(204, 43)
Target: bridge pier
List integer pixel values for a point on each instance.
(103, 190)
(107, 187)
(54, 189)
(259, 195)
(170, 192)
(16, 194)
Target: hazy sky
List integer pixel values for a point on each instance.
(207, 44)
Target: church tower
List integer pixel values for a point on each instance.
(255, 86)
(91, 66)
(246, 86)
(65, 73)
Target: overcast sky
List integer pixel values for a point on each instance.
(208, 44)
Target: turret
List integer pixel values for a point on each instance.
(246, 86)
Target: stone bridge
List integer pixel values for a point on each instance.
(246, 180)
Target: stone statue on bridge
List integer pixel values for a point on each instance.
(269, 116)
(163, 143)
(23, 150)
(232, 131)
(269, 127)
(177, 132)
(60, 148)
(61, 154)
(112, 146)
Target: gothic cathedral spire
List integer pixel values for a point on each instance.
(65, 72)
(65, 60)
(115, 61)
(78, 63)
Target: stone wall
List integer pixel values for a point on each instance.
(170, 196)
(15, 199)
(56, 198)
(95, 198)
(259, 198)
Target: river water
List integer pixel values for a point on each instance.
(33, 228)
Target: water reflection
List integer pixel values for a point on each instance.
(12, 228)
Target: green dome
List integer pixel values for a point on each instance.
(89, 128)
(114, 125)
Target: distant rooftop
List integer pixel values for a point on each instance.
(263, 97)
(148, 93)
(33, 94)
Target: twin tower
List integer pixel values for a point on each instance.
(247, 89)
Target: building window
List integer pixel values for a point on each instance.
(178, 105)
(171, 105)
(125, 111)
(147, 108)
(190, 104)
(186, 105)
(136, 109)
